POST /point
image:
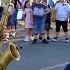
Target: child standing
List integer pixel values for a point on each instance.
(10, 23)
(28, 20)
(62, 10)
(39, 21)
(47, 18)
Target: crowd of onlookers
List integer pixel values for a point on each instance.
(36, 20)
(37, 17)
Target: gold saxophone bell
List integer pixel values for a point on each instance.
(8, 55)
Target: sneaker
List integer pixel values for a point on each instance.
(26, 39)
(48, 38)
(55, 39)
(31, 38)
(66, 40)
(45, 41)
(5, 40)
(34, 41)
(13, 34)
(50, 28)
(40, 37)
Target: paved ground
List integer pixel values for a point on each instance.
(52, 56)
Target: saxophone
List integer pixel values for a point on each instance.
(8, 55)
(11, 52)
(3, 23)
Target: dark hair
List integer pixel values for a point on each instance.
(25, 4)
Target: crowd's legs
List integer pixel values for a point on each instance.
(64, 25)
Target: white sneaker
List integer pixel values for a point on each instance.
(26, 39)
(66, 40)
(13, 33)
(55, 39)
(32, 38)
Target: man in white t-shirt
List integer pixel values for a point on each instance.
(62, 10)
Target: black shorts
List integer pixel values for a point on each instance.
(47, 24)
(63, 24)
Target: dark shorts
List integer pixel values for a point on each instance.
(15, 15)
(15, 18)
(10, 21)
(47, 24)
(63, 24)
(38, 26)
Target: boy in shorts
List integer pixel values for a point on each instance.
(39, 21)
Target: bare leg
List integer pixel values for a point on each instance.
(66, 34)
(57, 34)
(30, 33)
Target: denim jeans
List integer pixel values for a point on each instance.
(15, 18)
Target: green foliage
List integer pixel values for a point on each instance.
(4, 1)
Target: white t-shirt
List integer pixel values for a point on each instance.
(62, 10)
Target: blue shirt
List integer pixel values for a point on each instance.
(38, 10)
